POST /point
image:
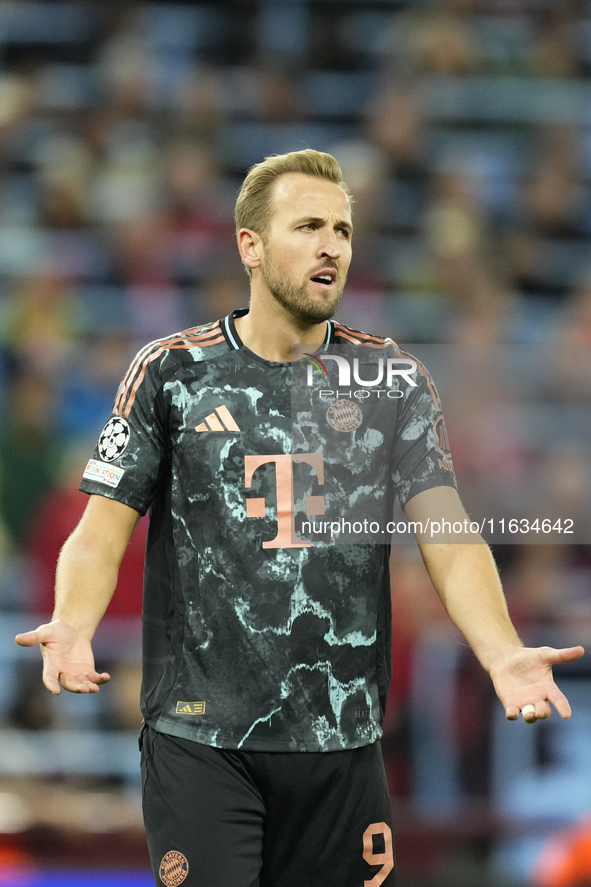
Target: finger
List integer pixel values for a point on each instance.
(77, 683)
(565, 654)
(541, 711)
(560, 703)
(27, 639)
(40, 635)
(51, 681)
(98, 678)
(512, 712)
(83, 683)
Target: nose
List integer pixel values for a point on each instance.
(330, 245)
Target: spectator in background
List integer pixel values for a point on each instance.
(268, 91)
(92, 374)
(459, 238)
(200, 104)
(415, 610)
(29, 450)
(438, 39)
(198, 207)
(549, 209)
(53, 520)
(556, 49)
(365, 167)
(574, 321)
(42, 319)
(144, 271)
(548, 591)
(397, 126)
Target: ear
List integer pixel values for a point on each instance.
(250, 247)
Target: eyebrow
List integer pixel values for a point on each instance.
(341, 223)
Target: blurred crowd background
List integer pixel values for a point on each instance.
(464, 131)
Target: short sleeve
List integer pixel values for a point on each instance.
(131, 451)
(422, 457)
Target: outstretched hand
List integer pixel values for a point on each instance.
(68, 660)
(522, 678)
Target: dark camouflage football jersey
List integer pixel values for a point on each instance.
(255, 637)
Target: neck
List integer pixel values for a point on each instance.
(269, 331)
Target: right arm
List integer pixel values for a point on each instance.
(86, 578)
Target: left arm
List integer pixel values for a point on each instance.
(466, 579)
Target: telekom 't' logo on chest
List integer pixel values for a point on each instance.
(255, 507)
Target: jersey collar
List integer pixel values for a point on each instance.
(235, 342)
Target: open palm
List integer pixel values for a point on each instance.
(523, 676)
(68, 660)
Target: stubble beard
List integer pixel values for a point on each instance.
(296, 300)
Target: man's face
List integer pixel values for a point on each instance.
(307, 247)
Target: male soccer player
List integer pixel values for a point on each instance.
(266, 658)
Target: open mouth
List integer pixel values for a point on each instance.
(326, 278)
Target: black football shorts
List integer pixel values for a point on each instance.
(221, 818)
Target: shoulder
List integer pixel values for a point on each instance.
(344, 335)
(194, 343)
(154, 359)
(411, 365)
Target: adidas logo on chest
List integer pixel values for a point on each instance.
(220, 420)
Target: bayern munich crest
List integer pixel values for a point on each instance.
(344, 415)
(113, 438)
(174, 868)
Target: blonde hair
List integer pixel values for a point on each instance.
(253, 206)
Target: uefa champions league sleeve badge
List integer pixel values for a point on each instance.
(113, 438)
